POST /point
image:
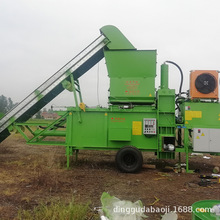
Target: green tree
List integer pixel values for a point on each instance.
(6, 104)
(38, 115)
(3, 104)
(10, 104)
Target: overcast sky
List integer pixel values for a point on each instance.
(37, 37)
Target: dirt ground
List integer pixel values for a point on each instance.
(30, 175)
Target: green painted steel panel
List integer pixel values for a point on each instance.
(166, 122)
(126, 63)
(201, 114)
(117, 39)
(120, 134)
(90, 133)
(106, 128)
(132, 75)
(125, 119)
(166, 107)
(134, 89)
(166, 100)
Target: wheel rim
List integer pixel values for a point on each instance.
(129, 160)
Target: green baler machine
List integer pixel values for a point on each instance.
(138, 118)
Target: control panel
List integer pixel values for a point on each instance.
(206, 140)
(149, 126)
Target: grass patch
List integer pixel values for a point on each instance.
(58, 210)
(9, 192)
(16, 162)
(6, 177)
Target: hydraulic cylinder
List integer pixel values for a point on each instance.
(164, 76)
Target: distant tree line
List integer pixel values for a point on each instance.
(38, 115)
(6, 104)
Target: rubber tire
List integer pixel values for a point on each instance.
(129, 159)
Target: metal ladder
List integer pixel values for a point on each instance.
(52, 87)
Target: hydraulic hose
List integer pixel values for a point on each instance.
(181, 73)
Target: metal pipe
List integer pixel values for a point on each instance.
(164, 77)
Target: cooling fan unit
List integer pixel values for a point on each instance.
(204, 84)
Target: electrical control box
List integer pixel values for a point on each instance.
(149, 126)
(206, 140)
